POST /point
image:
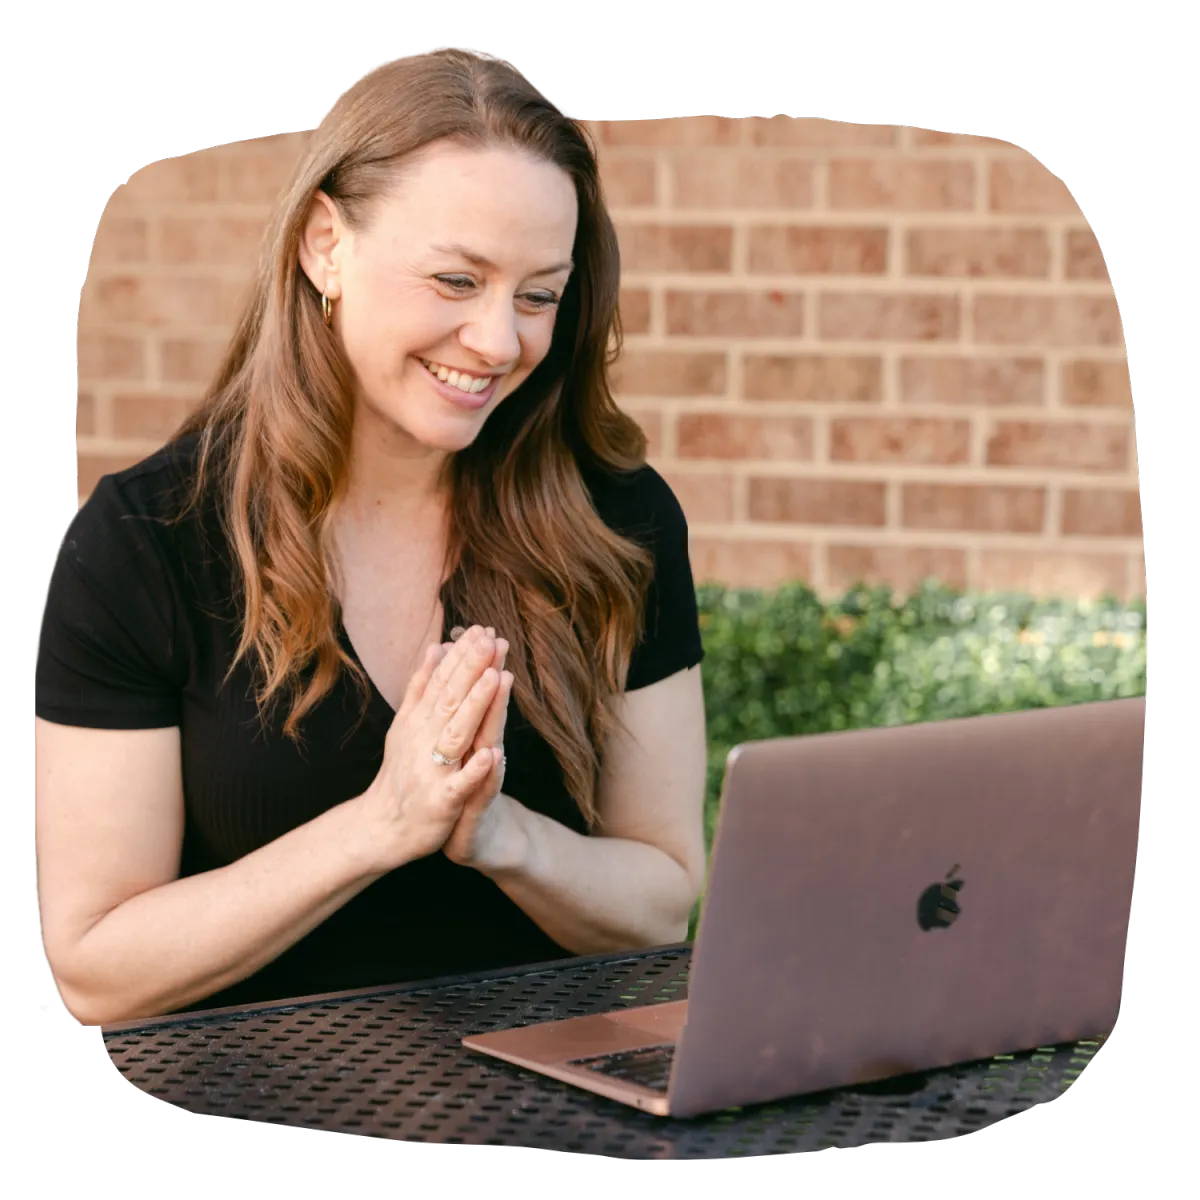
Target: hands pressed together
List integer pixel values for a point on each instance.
(456, 707)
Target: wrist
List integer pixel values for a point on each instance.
(370, 840)
(509, 850)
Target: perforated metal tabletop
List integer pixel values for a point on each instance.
(389, 1063)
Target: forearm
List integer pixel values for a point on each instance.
(173, 945)
(592, 894)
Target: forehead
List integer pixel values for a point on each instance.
(500, 202)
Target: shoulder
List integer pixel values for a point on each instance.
(130, 513)
(638, 504)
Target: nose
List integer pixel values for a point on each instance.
(491, 332)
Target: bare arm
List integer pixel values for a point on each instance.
(593, 895)
(633, 884)
(125, 937)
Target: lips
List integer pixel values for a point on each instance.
(453, 392)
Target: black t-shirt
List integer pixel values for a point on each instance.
(139, 631)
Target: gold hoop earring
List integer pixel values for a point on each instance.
(327, 309)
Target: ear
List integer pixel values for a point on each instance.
(320, 239)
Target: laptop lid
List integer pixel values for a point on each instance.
(829, 950)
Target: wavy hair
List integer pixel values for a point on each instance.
(526, 552)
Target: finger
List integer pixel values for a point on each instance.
(500, 655)
(459, 731)
(451, 661)
(464, 675)
(472, 773)
(491, 728)
(421, 677)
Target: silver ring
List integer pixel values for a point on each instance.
(442, 760)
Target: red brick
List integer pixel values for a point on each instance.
(635, 310)
(106, 356)
(1096, 384)
(150, 416)
(1025, 186)
(1045, 573)
(192, 177)
(735, 314)
(972, 381)
(749, 564)
(155, 300)
(120, 240)
(85, 415)
(673, 131)
(1064, 445)
(670, 373)
(976, 253)
(942, 139)
(901, 184)
(628, 180)
(257, 172)
(1083, 257)
(650, 420)
(819, 377)
(817, 250)
(748, 180)
(897, 440)
(92, 467)
(706, 498)
(233, 240)
(816, 132)
(1102, 512)
(1135, 581)
(904, 568)
(191, 360)
(676, 247)
(718, 435)
(974, 508)
(886, 316)
(818, 501)
(1047, 320)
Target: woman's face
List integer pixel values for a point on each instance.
(445, 300)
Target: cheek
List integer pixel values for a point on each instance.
(535, 341)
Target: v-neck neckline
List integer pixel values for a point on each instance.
(377, 697)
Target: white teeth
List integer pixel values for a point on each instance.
(459, 379)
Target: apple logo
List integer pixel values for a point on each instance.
(938, 906)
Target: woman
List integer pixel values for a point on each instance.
(266, 768)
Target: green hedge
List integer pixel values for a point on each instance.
(786, 662)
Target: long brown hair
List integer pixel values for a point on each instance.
(527, 552)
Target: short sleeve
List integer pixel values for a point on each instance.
(107, 653)
(646, 510)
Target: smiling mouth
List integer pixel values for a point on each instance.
(470, 384)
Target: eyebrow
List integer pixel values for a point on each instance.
(486, 263)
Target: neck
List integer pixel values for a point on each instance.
(392, 479)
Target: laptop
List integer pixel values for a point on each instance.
(882, 903)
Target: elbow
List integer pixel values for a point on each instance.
(86, 1000)
(82, 1004)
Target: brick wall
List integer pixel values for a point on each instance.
(859, 352)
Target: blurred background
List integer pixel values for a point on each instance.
(866, 354)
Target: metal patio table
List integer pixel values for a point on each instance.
(388, 1062)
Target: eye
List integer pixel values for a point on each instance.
(456, 283)
(463, 283)
(541, 299)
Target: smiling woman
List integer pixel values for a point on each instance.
(412, 431)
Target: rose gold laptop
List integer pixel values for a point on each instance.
(885, 902)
